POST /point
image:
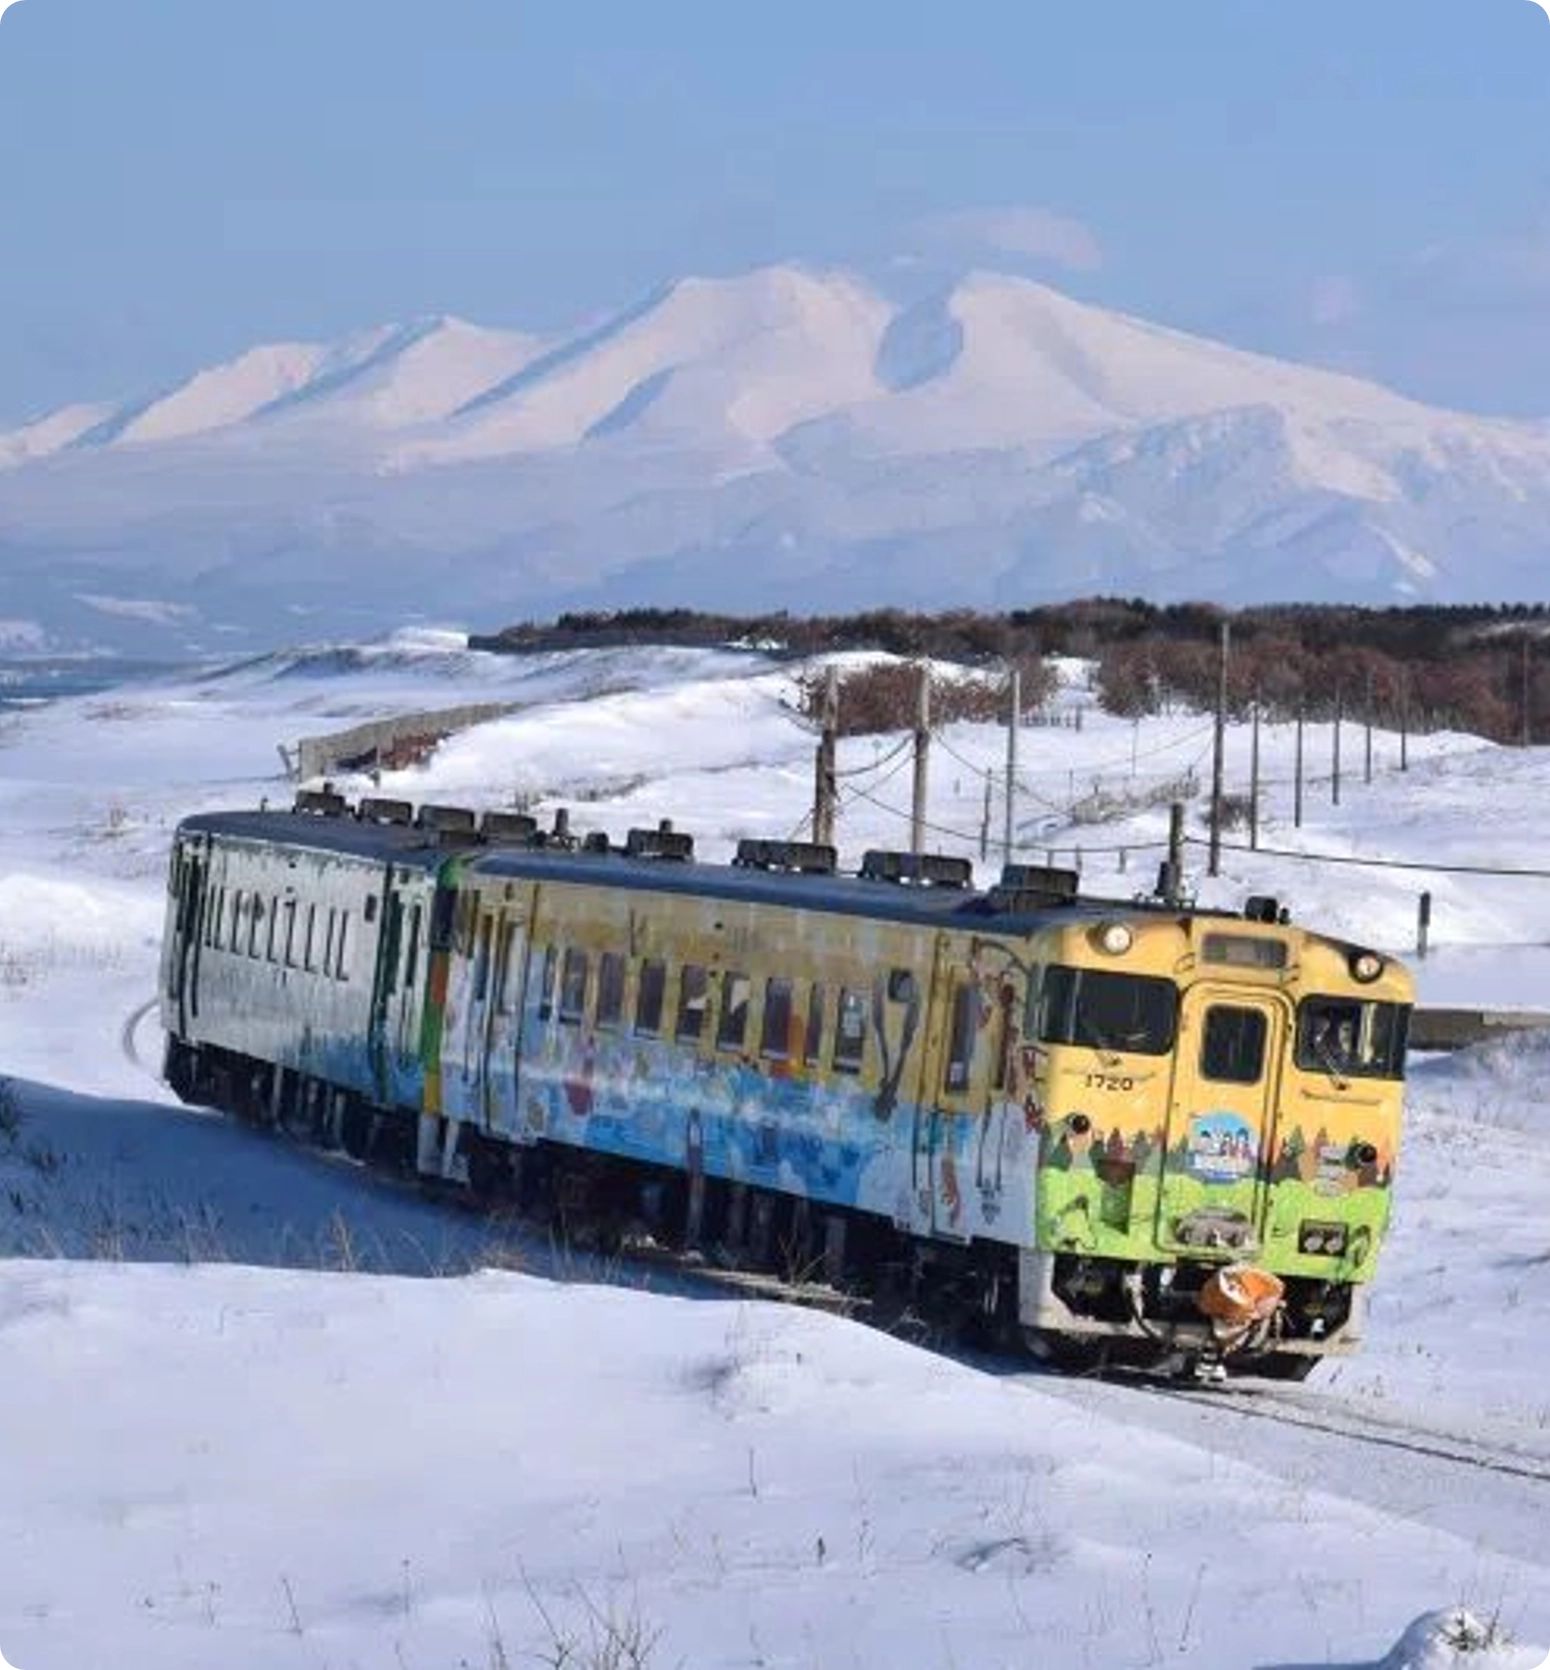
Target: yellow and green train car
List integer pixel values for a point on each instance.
(1126, 1129)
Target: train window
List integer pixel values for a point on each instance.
(213, 917)
(733, 1026)
(328, 942)
(412, 950)
(693, 989)
(850, 1032)
(443, 914)
(274, 922)
(812, 1046)
(256, 916)
(573, 986)
(649, 999)
(1097, 1010)
(482, 961)
(340, 945)
(1232, 1046)
(547, 978)
(371, 907)
(610, 990)
(775, 1035)
(239, 901)
(1350, 1038)
(290, 933)
(965, 1029)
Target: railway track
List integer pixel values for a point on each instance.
(1346, 1421)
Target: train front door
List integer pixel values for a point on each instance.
(1221, 1119)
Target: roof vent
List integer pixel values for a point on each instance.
(514, 829)
(923, 869)
(596, 840)
(385, 811)
(560, 837)
(321, 803)
(1042, 879)
(662, 842)
(446, 820)
(807, 858)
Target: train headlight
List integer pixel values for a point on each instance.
(1366, 966)
(1114, 938)
(1322, 1240)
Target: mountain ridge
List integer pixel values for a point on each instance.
(792, 434)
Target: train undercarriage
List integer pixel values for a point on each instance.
(1074, 1313)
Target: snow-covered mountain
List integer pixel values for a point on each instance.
(787, 438)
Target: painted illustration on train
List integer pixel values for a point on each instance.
(1127, 1132)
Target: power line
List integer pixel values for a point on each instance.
(1378, 863)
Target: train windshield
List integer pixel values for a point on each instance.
(1352, 1038)
(1099, 1010)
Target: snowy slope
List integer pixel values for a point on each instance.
(791, 437)
(321, 1462)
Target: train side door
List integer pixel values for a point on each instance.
(930, 1131)
(1221, 1118)
(508, 992)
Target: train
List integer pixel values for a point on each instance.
(1119, 1132)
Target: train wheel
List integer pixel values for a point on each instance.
(1069, 1354)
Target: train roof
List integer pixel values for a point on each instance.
(845, 895)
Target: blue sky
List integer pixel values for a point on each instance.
(1365, 183)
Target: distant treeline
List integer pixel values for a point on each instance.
(1431, 667)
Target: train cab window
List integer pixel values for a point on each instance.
(732, 1029)
(1097, 1010)
(812, 1046)
(610, 990)
(341, 943)
(573, 986)
(548, 976)
(850, 1032)
(1232, 1046)
(693, 990)
(649, 998)
(1351, 1038)
(775, 1034)
(964, 1031)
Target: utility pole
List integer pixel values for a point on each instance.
(922, 756)
(1367, 765)
(825, 792)
(1254, 781)
(1218, 755)
(1013, 719)
(985, 821)
(1404, 718)
(1335, 743)
(1297, 774)
(1171, 882)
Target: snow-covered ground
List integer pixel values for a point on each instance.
(260, 1409)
